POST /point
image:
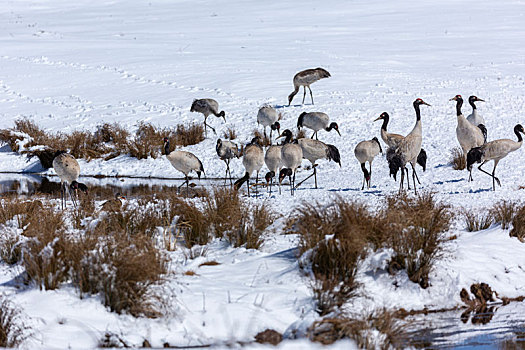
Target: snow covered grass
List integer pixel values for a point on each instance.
(12, 329)
(107, 141)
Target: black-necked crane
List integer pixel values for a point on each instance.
(366, 151)
(392, 140)
(291, 157)
(316, 121)
(313, 150)
(207, 106)
(113, 204)
(252, 160)
(185, 162)
(305, 78)
(68, 170)
(494, 150)
(408, 149)
(272, 158)
(468, 135)
(227, 150)
(474, 118)
(268, 116)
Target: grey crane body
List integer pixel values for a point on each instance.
(366, 151)
(227, 150)
(474, 118)
(253, 161)
(305, 78)
(185, 162)
(272, 158)
(316, 121)
(392, 141)
(268, 116)
(68, 170)
(494, 150)
(408, 149)
(313, 150)
(207, 106)
(291, 157)
(468, 135)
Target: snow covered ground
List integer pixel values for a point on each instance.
(74, 65)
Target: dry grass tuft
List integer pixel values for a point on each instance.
(518, 224)
(417, 226)
(235, 220)
(503, 212)
(209, 263)
(301, 134)
(46, 255)
(223, 210)
(265, 141)
(333, 241)
(230, 134)
(476, 221)
(122, 268)
(362, 330)
(251, 227)
(10, 247)
(457, 159)
(12, 331)
(108, 141)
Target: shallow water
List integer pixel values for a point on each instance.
(29, 184)
(490, 328)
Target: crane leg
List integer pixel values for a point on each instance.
(315, 177)
(311, 95)
(402, 179)
(370, 176)
(313, 135)
(414, 170)
(364, 180)
(248, 184)
(271, 181)
(304, 95)
(494, 178)
(62, 195)
(408, 179)
(414, 175)
(256, 182)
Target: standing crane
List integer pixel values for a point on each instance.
(494, 150)
(291, 156)
(408, 149)
(366, 151)
(207, 106)
(68, 170)
(252, 160)
(185, 162)
(316, 121)
(227, 150)
(305, 78)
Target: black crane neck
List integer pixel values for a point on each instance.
(459, 103)
(518, 134)
(471, 102)
(418, 112)
(386, 119)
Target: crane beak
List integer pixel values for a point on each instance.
(426, 103)
(479, 100)
(278, 137)
(453, 99)
(338, 132)
(378, 118)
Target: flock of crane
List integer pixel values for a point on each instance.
(285, 158)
